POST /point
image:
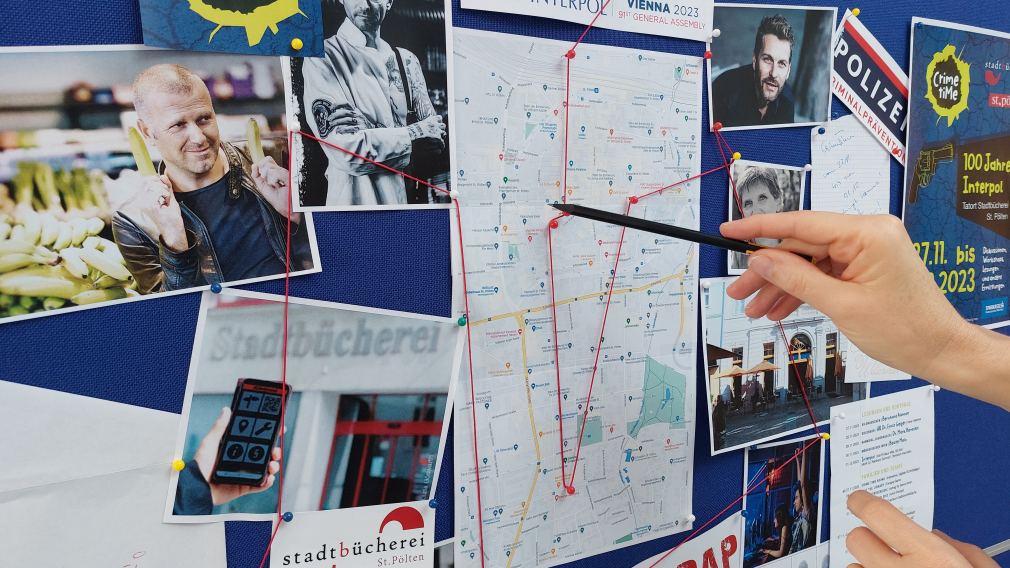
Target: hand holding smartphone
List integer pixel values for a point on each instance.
(245, 448)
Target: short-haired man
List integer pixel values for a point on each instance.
(759, 193)
(371, 98)
(754, 94)
(212, 215)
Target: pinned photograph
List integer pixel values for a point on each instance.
(786, 482)
(757, 381)
(770, 66)
(757, 188)
(129, 173)
(374, 107)
(358, 421)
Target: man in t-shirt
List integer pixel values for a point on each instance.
(754, 93)
(212, 215)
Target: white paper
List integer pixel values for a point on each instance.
(719, 546)
(883, 445)
(862, 368)
(89, 485)
(688, 19)
(400, 535)
(851, 174)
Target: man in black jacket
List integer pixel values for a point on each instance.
(213, 215)
(754, 94)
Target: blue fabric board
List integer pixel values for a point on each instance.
(139, 353)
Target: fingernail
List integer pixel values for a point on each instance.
(761, 265)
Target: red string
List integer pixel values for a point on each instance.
(683, 181)
(591, 22)
(284, 359)
(799, 380)
(564, 166)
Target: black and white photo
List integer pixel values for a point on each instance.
(770, 66)
(378, 97)
(757, 188)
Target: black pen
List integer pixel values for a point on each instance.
(660, 228)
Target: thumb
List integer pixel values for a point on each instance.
(798, 278)
(216, 431)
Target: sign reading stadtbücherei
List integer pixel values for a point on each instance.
(688, 19)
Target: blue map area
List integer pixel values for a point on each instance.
(933, 216)
(175, 24)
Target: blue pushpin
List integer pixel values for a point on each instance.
(216, 288)
(821, 130)
(288, 517)
(433, 503)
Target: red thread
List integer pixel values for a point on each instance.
(564, 166)
(591, 22)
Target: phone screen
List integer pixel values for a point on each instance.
(245, 448)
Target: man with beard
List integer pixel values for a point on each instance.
(368, 97)
(753, 94)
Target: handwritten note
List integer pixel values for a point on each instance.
(852, 172)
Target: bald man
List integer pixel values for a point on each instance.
(212, 215)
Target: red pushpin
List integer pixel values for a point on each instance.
(708, 55)
(633, 200)
(570, 489)
(717, 127)
(554, 223)
(570, 54)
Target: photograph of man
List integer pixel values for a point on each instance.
(379, 93)
(771, 66)
(211, 215)
(762, 189)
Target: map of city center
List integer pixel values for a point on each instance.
(617, 313)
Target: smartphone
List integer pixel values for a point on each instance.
(244, 451)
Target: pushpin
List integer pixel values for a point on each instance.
(178, 465)
(297, 44)
(936, 388)
(215, 287)
(808, 168)
(570, 54)
(454, 194)
(461, 321)
(821, 130)
(433, 503)
(717, 127)
(691, 518)
(841, 416)
(855, 11)
(554, 223)
(744, 513)
(632, 200)
(570, 489)
(825, 436)
(705, 285)
(708, 55)
(736, 156)
(716, 32)
(288, 517)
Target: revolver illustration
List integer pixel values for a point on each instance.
(925, 168)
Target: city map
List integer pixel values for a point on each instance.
(565, 475)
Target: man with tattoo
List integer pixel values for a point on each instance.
(355, 97)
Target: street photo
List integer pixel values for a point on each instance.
(756, 379)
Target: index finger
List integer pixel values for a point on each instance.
(888, 523)
(812, 227)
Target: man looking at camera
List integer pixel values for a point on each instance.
(212, 215)
(754, 94)
(370, 98)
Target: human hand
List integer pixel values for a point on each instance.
(868, 279)
(431, 127)
(890, 539)
(158, 203)
(272, 182)
(206, 458)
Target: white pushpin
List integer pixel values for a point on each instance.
(936, 388)
(691, 518)
(705, 285)
(715, 33)
(841, 416)
(454, 195)
(808, 168)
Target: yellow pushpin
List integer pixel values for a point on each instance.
(297, 44)
(736, 155)
(178, 465)
(825, 436)
(855, 12)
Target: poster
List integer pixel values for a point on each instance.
(718, 546)
(688, 19)
(256, 27)
(957, 208)
(883, 445)
(871, 83)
